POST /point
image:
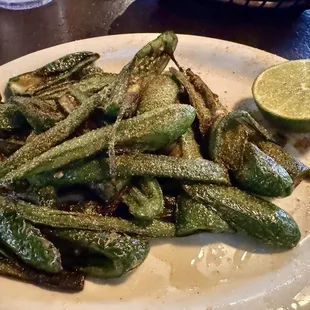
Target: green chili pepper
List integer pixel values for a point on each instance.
(145, 200)
(55, 72)
(148, 62)
(229, 136)
(68, 102)
(90, 70)
(44, 196)
(62, 219)
(56, 91)
(147, 165)
(204, 115)
(149, 131)
(108, 191)
(99, 267)
(261, 175)
(110, 244)
(63, 281)
(256, 217)
(189, 148)
(46, 140)
(40, 114)
(27, 243)
(295, 168)
(89, 207)
(115, 253)
(158, 94)
(210, 99)
(10, 117)
(93, 83)
(193, 216)
(47, 197)
(89, 85)
(232, 143)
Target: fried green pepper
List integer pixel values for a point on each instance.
(63, 281)
(68, 103)
(55, 135)
(200, 170)
(55, 72)
(93, 83)
(56, 91)
(100, 267)
(10, 117)
(147, 202)
(89, 85)
(108, 191)
(229, 136)
(27, 243)
(145, 199)
(109, 253)
(204, 114)
(158, 94)
(189, 148)
(47, 197)
(232, 143)
(295, 168)
(193, 216)
(169, 167)
(43, 196)
(89, 207)
(149, 131)
(75, 220)
(256, 217)
(90, 70)
(261, 175)
(211, 100)
(147, 63)
(40, 114)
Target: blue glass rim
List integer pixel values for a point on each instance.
(22, 4)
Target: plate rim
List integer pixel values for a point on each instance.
(148, 34)
(132, 36)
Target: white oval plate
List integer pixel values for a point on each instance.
(206, 271)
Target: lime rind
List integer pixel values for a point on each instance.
(282, 94)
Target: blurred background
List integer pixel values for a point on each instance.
(280, 30)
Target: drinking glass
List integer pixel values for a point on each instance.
(22, 4)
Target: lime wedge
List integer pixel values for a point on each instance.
(282, 93)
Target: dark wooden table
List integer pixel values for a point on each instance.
(21, 32)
